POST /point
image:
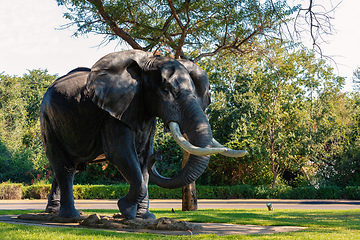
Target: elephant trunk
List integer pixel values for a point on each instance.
(196, 126)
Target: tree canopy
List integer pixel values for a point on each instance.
(190, 29)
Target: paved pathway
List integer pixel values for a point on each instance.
(202, 203)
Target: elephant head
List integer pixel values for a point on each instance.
(135, 86)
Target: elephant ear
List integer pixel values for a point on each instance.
(200, 80)
(114, 85)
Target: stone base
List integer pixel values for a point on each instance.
(115, 222)
(161, 226)
(51, 217)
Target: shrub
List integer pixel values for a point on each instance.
(10, 191)
(303, 193)
(100, 191)
(163, 193)
(351, 192)
(329, 192)
(204, 192)
(38, 191)
(225, 192)
(261, 192)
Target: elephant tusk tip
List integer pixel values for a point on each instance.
(188, 147)
(234, 153)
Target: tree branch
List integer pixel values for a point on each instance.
(182, 27)
(163, 31)
(113, 25)
(209, 54)
(234, 46)
(173, 10)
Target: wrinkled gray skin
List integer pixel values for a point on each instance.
(109, 113)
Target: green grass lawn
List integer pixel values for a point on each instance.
(322, 224)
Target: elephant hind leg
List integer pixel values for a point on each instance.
(53, 205)
(65, 179)
(62, 186)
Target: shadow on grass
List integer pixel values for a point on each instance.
(15, 231)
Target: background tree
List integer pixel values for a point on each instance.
(356, 80)
(335, 149)
(268, 106)
(22, 156)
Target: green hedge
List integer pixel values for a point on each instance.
(36, 191)
(18, 191)
(10, 191)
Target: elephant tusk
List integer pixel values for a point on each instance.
(184, 144)
(229, 152)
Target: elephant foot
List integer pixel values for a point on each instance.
(52, 207)
(69, 213)
(127, 209)
(145, 215)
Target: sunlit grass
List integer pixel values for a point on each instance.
(322, 224)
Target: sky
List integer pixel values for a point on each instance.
(30, 39)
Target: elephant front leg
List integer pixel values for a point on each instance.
(119, 147)
(138, 196)
(143, 207)
(128, 205)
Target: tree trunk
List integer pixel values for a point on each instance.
(305, 173)
(189, 199)
(274, 180)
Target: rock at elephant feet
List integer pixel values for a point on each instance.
(92, 220)
(118, 216)
(117, 222)
(176, 225)
(98, 221)
(51, 217)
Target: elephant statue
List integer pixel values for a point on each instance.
(108, 113)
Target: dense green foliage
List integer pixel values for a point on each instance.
(22, 157)
(288, 111)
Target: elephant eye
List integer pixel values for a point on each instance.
(167, 87)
